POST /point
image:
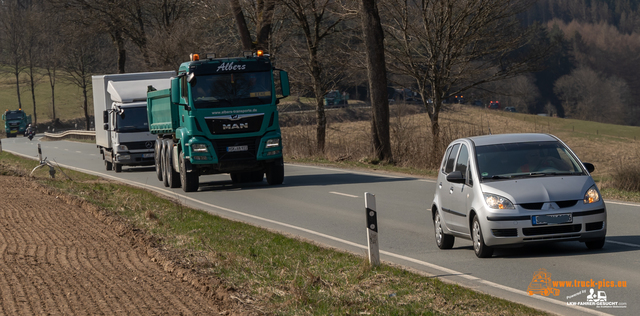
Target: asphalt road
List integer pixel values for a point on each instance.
(327, 206)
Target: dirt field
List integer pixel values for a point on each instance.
(60, 257)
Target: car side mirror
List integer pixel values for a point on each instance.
(456, 177)
(590, 167)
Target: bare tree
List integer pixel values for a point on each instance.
(449, 46)
(261, 13)
(377, 73)
(12, 19)
(316, 20)
(33, 47)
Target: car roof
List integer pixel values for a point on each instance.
(511, 138)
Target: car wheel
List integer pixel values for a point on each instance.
(481, 250)
(595, 244)
(443, 241)
(157, 158)
(188, 180)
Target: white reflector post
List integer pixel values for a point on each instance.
(372, 229)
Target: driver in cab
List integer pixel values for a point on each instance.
(536, 161)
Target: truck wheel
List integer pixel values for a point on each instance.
(173, 178)
(275, 172)
(117, 167)
(163, 162)
(108, 165)
(157, 154)
(188, 180)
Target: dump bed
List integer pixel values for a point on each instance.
(163, 116)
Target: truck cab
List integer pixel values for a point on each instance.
(15, 122)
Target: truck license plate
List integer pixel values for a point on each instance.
(237, 148)
(551, 219)
(147, 155)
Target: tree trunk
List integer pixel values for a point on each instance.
(264, 24)
(377, 74)
(85, 107)
(243, 30)
(122, 53)
(33, 94)
(17, 74)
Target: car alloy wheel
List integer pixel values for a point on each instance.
(443, 241)
(481, 250)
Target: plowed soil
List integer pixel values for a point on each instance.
(58, 258)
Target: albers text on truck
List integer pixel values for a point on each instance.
(219, 116)
(15, 122)
(120, 109)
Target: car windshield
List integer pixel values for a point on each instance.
(132, 120)
(14, 115)
(231, 89)
(531, 159)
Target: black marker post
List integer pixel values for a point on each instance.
(372, 229)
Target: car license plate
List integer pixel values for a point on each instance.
(552, 219)
(147, 155)
(231, 149)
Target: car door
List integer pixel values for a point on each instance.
(445, 186)
(460, 193)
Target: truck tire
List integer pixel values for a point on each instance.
(173, 178)
(275, 172)
(117, 167)
(108, 165)
(157, 149)
(189, 180)
(163, 162)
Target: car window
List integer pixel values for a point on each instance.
(463, 160)
(444, 161)
(451, 159)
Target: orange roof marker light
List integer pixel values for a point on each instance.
(260, 53)
(194, 57)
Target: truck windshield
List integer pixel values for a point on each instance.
(132, 120)
(231, 89)
(14, 115)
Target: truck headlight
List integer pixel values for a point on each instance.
(123, 147)
(272, 143)
(123, 157)
(498, 202)
(591, 196)
(199, 148)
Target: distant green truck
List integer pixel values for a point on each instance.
(219, 116)
(15, 122)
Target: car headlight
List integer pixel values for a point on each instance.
(199, 148)
(272, 143)
(498, 202)
(123, 147)
(592, 195)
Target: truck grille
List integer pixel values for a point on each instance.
(221, 146)
(231, 124)
(139, 145)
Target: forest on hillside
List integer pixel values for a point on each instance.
(590, 72)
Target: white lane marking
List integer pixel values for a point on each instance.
(78, 151)
(344, 194)
(346, 242)
(363, 173)
(623, 243)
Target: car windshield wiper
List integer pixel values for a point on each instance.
(497, 177)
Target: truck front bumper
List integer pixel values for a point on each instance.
(135, 159)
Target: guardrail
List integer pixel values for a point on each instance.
(72, 134)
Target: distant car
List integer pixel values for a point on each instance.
(478, 103)
(494, 105)
(510, 109)
(515, 189)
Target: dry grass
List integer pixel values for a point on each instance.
(348, 138)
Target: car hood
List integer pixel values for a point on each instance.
(540, 189)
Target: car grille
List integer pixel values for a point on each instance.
(593, 226)
(510, 232)
(221, 145)
(538, 206)
(548, 230)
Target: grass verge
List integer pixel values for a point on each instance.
(278, 274)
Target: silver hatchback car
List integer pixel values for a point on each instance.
(515, 189)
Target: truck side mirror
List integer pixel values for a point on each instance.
(284, 83)
(105, 126)
(105, 117)
(175, 90)
(4, 117)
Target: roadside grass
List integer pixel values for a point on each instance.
(278, 274)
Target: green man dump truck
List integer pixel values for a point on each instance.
(15, 122)
(218, 116)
